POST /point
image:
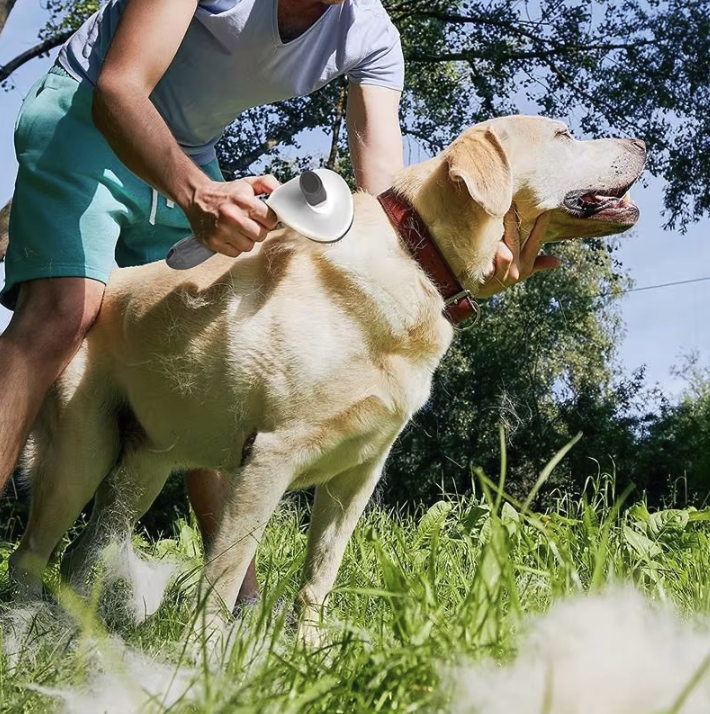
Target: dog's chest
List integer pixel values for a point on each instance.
(367, 420)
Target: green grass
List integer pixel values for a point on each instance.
(413, 594)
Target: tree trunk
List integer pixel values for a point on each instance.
(5, 9)
(4, 223)
(337, 124)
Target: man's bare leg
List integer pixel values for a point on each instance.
(205, 489)
(46, 329)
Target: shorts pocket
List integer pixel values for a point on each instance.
(29, 113)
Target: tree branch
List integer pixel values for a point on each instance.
(36, 51)
(518, 28)
(5, 10)
(410, 13)
(241, 165)
(613, 112)
(235, 165)
(468, 55)
(4, 224)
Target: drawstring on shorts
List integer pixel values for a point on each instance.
(154, 206)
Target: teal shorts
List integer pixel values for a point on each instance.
(77, 211)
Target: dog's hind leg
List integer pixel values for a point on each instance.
(122, 498)
(84, 551)
(74, 448)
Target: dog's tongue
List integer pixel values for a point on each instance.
(625, 200)
(604, 198)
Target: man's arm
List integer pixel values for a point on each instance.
(374, 135)
(227, 217)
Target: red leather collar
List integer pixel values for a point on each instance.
(408, 223)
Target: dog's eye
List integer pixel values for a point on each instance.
(564, 132)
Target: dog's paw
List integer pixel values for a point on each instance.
(311, 634)
(25, 586)
(244, 605)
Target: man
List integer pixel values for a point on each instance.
(116, 157)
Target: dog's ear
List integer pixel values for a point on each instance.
(478, 159)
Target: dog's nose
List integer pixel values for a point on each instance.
(639, 144)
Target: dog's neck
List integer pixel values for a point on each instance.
(416, 237)
(464, 233)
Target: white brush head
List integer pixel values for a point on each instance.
(318, 204)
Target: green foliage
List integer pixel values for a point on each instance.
(542, 362)
(541, 352)
(67, 15)
(415, 593)
(674, 452)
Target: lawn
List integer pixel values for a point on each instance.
(444, 610)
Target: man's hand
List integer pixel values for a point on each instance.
(228, 217)
(513, 264)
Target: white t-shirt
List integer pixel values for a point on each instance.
(232, 59)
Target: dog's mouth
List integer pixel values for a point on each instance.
(610, 205)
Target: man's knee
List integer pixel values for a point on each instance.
(54, 315)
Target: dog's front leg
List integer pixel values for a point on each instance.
(254, 493)
(338, 506)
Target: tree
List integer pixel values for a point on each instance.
(544, 362)
(632, 67)
(674, 452)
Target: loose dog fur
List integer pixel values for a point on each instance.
(323, 352)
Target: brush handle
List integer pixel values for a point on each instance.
(188, 253)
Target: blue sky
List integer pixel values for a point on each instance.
(660, 324)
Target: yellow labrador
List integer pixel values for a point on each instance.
(320, 352)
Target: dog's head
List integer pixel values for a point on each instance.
(529, 165)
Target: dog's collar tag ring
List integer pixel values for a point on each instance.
(459, 305)
(462, 302)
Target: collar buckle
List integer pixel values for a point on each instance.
(461, 295)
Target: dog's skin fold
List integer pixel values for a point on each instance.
(323, 351)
